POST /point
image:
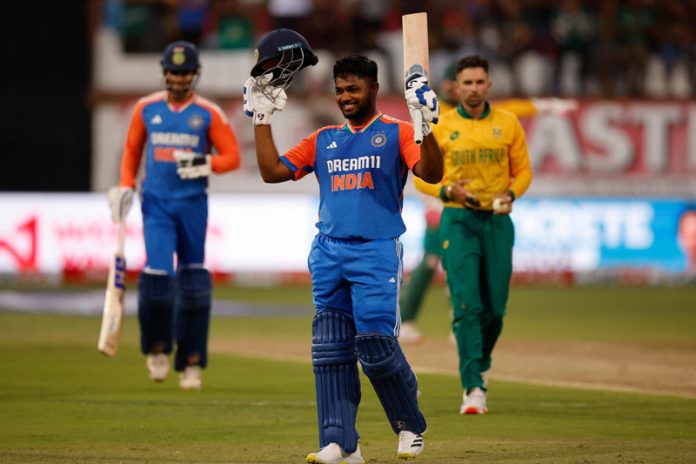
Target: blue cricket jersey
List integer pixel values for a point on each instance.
(362, 172)
(161, 127)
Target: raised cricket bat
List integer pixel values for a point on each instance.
(415, 30)
(112, 318)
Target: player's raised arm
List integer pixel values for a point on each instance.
(431, 166)
(280, 55)
(261, 100)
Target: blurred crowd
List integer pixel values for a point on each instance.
(590, 48)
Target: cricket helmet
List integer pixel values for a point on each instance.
(180, 56)
(282, 52)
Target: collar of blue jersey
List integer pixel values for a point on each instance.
(362, 128)
(464, 114)
(179, 107)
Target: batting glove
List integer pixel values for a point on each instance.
(190, 165)
(120, 202)
(261, 100)
(420, 97)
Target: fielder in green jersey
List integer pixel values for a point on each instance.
(486, 168)
(414, 291)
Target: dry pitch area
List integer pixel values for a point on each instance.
(645, 369)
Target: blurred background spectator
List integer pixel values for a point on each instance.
(592, 48)
(585, 49)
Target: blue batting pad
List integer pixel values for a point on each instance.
(192, 316)
(396, 386)
(155, 308)
(336, 377)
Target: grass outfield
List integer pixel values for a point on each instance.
(62, 402)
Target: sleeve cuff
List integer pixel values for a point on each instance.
(512, 194)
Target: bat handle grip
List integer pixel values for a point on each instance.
(121, 236)
(418, 127)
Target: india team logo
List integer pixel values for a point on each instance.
(378, 140)
(195, 122)
(179, 57)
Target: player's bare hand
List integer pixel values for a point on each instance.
(261, 100)
(190, 165)
(463, 196)
(502, 203)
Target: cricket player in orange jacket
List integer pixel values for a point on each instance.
(176, 130)
(486, 168)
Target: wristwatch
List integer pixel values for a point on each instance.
(446, 192)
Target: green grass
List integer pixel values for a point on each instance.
(62, 402)
(659, 315)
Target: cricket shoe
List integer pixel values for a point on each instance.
(409, 334)
(410, 445)
(334, 454)
(157, 366)
(190, 378)
(474, 402)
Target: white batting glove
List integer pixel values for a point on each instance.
(190, 165)
(120, 202)
(560, 106)
(262, 100)
(420, 97)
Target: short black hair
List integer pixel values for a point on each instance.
(472, 61)
(356, 65)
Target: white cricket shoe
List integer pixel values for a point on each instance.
(474, 402)
(409, 334)
(157, 366)
(410, 445)
(334, 454)
(190, 378)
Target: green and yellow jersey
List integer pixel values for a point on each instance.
(489, 153)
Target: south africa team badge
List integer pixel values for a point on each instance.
(378, 140)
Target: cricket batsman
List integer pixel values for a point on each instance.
(356, 257)
(176, 130)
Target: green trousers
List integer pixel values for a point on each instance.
(477, 258)
(413, 293)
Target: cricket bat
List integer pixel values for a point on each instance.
(112, 318)
(415, 31)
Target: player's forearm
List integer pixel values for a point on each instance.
(130, 163)
(521, 183)
(227, 158)
(431, 166)
(520, 166)
(224, 162)
(272, 170)
(429, 189)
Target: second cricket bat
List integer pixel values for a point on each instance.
(416, 62)
(112, 318)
